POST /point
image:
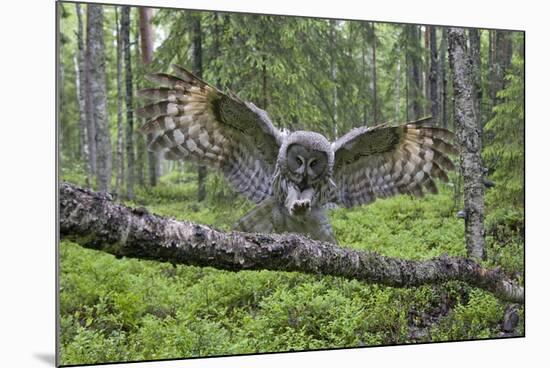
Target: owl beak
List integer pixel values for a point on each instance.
(297, 202)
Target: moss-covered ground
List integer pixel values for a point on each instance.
(127, 309)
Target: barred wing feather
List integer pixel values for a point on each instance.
(383, 161)
(192, 120)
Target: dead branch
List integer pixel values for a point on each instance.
(95, 221)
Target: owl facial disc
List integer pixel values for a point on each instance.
(305, 165)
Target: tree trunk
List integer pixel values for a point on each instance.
(146, 38)
(415, 79)
(81, 93)
(364, 77)
(146, 35)
(475, 55)
(98, 90)
(94, 221)
(125, 33)
(433, 81)
(264, 83)
(120, 98)
(398, 90)
(500, 59)
(426, 69)
(141, 157)
(197, 70)
(90, 119)
(375, 108)
(469, 139)
(216, 49)
(503, 58)
(332, 51)
(407, 85)
(491, 69)
(443, 80)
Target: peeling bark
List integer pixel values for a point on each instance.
(95, 221)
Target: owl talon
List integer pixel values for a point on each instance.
(300, 207)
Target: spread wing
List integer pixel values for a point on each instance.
(383, 161)
(190, 119)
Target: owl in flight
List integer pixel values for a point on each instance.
(292, 176)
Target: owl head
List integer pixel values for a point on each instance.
(306, 158)
(305, 162)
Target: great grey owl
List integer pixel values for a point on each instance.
(292, 176)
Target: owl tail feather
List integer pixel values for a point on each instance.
(259, 220)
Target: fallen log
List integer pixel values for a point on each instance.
(95, 220)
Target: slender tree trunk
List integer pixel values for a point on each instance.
(140, 141)
(146, 38)
(81, 92)
(469, 137)
(475, 55)
(125, 33)
(503, 58)
(433, 76)
(416, 78)
(216, 51)
(426, 69)
(492, 70)
(81, 112)
(332, 23)
(90, 118)
(374, 84)
(141, 157)
(98, 89)
(146, 35)
(443, 80)
(364, 77)
(413, 84)
(120, 98)
(264, 83)
(407, 67)
(398, 90)
(197, 70)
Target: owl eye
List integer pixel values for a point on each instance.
(313, 163)
(299, 161)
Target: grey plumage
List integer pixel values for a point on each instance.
(293, 177)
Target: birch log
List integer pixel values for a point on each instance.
(95, 221)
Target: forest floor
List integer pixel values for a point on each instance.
(120, 309)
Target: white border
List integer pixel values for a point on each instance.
(27, 185)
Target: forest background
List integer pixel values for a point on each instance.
(322, 75)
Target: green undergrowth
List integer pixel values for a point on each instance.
(127, 309)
